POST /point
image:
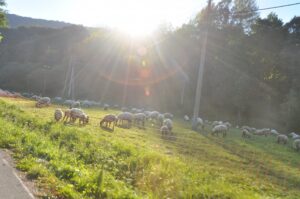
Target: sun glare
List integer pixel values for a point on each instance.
(137, 18)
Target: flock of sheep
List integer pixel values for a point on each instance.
(248, 132)
(163, 120)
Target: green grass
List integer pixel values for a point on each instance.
(87, 162)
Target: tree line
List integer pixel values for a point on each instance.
(251, 73)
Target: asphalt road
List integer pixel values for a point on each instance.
(11, 186)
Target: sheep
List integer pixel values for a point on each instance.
(75, 104)
(69, 103)
(294, 136)
(264, 132)
(125, 116)
(227, 124)
(221, 128)
(78, 113)
(249, 129)
(199, 122)
(296, 144)
(160, 119)
(58, 114)
(67, 115)
(87, 103)
(246, 133)
(186, 118)
(35, 97)
(108, 120)
(164, 130)
(168, 123)
(274, 132)
(139, 118)
(168, 115)
(215, 123)
(83, 119)
(154, 115)
(282, 139)
(57, 99)
(42, 102)
(105, 107)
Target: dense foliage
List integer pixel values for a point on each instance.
(251, 71)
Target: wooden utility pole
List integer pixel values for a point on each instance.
(201, 69)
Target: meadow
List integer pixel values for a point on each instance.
(72, 161)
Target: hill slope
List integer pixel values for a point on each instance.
(15, 21)
(88, 162)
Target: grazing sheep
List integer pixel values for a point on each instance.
(186, 118)
(139, 119)
(199, 123)
(154, 115)
(76, 113)
(227, 124)
(75, 104)
(87, 103)
(58, 114)
(42, 102)
(168, 115)
(282, 139)
(246, 133)
(294, 136)
(296, 144)
(261, 132)
(67, 115)
(108, 120)
(125, 116)
(83, 119)
(160, 119)
(274, 132)
(124, 109)
(168, 123)
(105, 107)
(221, 128)
(249, 129)
(164, 130)
(35, 97)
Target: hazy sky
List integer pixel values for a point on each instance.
(126, 13)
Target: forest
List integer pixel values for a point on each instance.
(251, 73)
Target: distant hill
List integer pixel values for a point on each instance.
(15, 21)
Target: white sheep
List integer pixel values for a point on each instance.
(227, 124)
(274, 132)
(154, 115)
(105, 107)
(199, 123)
(139, 119)
(294, 136)
(74, 114)
(221, 128)
(168, 123)
(160, 119)
(58, 114)
(125, 116)
(42, 102)
(282, 139)
(168, 115)
(186, 118)
(164, 130)
(296, 144)
(246, 133)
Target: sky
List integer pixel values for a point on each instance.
(127, 14)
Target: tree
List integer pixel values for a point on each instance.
(244, 13)
(2, 16)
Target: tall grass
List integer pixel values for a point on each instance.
(87, 162)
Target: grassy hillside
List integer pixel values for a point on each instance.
(87, 162)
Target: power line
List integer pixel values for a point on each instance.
(266, 8)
